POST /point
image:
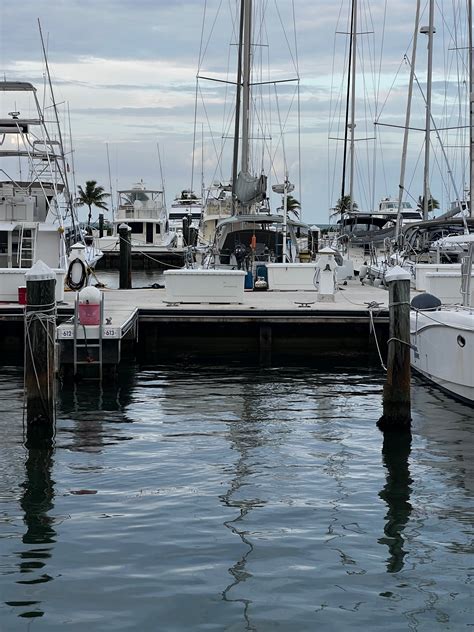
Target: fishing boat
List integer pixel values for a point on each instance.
(36, 213)
(143, 210)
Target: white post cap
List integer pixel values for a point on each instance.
(40, 272)
(124, 226)
(397, 273)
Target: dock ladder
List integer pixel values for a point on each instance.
(88, 353)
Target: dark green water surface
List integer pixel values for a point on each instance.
(210, 498)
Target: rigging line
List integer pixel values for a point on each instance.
(404, 60)
(285, 164)
(218, 154)
(295, 63)
(200, 60)
(382, 44)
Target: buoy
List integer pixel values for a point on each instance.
(89, 306)
(253, 242)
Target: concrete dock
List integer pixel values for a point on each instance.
(267, 324)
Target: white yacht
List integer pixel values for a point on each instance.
(32, 211)
(144, 211)
(185, 218)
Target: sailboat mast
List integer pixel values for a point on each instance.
(238, 84)
(426, 175)
(246, 85)
(471, 112)
(401, 186)
(346, 122)
(353, 96)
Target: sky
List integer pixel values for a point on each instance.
(126, 72)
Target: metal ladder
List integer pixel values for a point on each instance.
(27, 246)
(82, 346)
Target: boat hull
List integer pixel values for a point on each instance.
(443, 350)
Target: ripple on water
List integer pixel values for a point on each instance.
(239, 499)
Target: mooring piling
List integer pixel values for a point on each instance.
(39, 378)
(396, 393)
(125, 279)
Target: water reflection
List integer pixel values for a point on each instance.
(37, 503)
(245, 435)
(92, 405)
(396, 493)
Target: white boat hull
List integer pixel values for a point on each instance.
(443, 350)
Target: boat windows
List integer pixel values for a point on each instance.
(137, 227)
(157, 229)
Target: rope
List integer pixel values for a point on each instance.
(402, 342)
(44, 319)
(372, 325)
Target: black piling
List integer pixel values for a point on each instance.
(40, 328)
(396, 393)
(125, 280)
(101, 224)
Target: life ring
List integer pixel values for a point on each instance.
(77, 273)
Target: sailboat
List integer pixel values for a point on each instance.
(253, 232)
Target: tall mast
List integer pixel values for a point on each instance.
(353, 96)
(401, 185)
(471, 112)
(346, 125)
(426, 176)
(238, 84)
(246, 84)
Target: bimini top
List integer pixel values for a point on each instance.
(261, 218)
(17, 86)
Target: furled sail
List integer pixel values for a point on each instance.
(250, 189)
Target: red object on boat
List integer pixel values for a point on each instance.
(22, 295)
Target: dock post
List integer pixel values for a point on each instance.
(396, 393)
(40, 328)
(125, 282)
(101, 224)
(265, 344)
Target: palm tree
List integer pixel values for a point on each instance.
(93, 195)
(344, 204)
(433, 203)
(293, 206)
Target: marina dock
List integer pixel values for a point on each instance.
(143, 324)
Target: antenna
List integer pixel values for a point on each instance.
(161, 173)
(110, 183)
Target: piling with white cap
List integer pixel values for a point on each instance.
(125, 278)
(396, 393)
(40, 327)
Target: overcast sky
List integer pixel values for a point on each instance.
(127, 71)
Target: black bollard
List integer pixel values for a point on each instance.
(396, 393)
(40, 329)
(125, 282)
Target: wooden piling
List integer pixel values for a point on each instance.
(40, 327)
(101, 224)
(396, 393)
(125, 279)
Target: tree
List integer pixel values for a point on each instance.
(293, 206)
(92, 195)
(344, 204)
(433, 203)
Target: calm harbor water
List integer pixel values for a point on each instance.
(238, 498)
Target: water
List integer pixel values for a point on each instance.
(205, 498)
